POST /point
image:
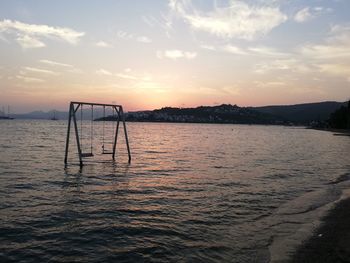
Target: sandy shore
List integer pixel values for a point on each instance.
(331, 241)
(339, 132)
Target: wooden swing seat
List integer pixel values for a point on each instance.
(107, 152)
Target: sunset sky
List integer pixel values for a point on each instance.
(149, 54)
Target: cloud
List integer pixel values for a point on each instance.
(254, 50)
(332, 56)
(127, 36)
(269, 84)
(54, 63)
(336, 45)
(336, 69)
(29, 42)
(123, 75)
(237, 20)
(103, 72)
(303, 15)
(103, 44)
(124, 35)
(331, 51)
(30, 79)
(233, 50)
(340, 33)
(149, 20)
(143, 39)
(31, 35)
(76, 71)
(164, 22)
(208, 47)
(126, 76)
(278, 64)
(267, 51)
(176, 54)
(308, 13)
(41, 71)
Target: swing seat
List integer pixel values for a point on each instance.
(87, 155)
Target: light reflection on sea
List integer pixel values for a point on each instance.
(193, 192)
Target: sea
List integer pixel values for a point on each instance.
(191, 193)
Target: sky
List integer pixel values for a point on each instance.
(180, 53)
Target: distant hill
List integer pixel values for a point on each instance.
(303, 113)
(224, 113)
(60, 115)
(42, 115)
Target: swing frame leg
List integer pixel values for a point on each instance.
(116, 135)
(125, 133)
(68, 133)
(77, 136)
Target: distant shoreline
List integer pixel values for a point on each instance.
(338, 132)
(228, 123)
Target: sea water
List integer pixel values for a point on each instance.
(192, 192)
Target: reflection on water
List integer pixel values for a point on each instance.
(193, 192)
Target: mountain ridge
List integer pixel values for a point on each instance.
(303, 113)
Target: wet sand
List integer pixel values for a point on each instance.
(331, 241)
(337, 132)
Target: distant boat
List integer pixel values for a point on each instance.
(5, 118)
(54, 116)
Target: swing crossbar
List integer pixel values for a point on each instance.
(73, 108)
(96, 104)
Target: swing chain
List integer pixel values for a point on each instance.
(103, 129)
(92, 128)
(81, 127)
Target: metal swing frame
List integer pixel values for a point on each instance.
(73, 108)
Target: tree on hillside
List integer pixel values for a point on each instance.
(348, 114)
(340, 119)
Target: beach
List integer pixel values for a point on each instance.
(331, 241)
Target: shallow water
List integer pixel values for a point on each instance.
(193, 192)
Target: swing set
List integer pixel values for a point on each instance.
(117, 116)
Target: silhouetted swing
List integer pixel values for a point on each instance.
(118, 116)
(87, 154)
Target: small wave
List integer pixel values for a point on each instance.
(340, 179)
(301, 217)
(40, 146)
(7, 146)
(22, 186)
(150, 151)
(277, 176)
(231, 184)
(223, 167)
(309, 201)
